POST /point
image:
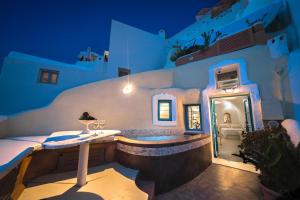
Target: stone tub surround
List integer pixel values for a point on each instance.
(181, 140)
(151, 132)
(169, 163)
(162, 151)
(161, 148)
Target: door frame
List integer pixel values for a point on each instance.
(250, 112)
(214, 136)
(185, 107)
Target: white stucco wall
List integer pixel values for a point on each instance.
(294, 82)
(19, 86)
(260, 70)
(105, 99)
(138, 49)
(294, 61)
(3, 126)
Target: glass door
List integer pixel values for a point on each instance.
(214, 128)
(248, 114)
(193, 117)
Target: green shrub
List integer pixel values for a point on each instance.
(272, 152)
(195, 47)
(185, 51)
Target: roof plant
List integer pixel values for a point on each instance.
(207, 41)
(277, 158)
(185, 51)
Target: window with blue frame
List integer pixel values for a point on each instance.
(165, 110)
(193, 117)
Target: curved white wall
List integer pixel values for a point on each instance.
(21, 91)
(105, 99)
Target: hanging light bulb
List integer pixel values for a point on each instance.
(128, 88)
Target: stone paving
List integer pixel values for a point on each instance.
(106, 182)
(218, 182)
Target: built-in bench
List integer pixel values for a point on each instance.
(14, 150)
(25, 158)
(14, 160)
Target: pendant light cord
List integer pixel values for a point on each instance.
(127, 57)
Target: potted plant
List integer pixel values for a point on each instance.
(277, 158)
(185, 51)
(87, 119)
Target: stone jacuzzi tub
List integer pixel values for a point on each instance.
(169, 160)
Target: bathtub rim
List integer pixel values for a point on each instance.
(163, 143)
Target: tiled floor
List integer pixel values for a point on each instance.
(228, 147)
(109, 182)
(218, 182)
(117, 182)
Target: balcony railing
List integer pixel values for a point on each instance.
(253, 36)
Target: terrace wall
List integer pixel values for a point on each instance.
(19, 86)
(105, 99)
(133, 48)
(294, 63)
(249, 37)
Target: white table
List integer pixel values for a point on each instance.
(65, 139)
(232, 131)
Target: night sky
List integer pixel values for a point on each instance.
(59, 29)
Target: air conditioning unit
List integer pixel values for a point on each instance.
(227, 80)
(278, 46)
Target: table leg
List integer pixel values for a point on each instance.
(83, 164)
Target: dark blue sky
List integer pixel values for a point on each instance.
(59, 29)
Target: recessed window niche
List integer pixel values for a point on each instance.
(164, 110)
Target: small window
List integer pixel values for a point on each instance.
(123, 72)
(48, 76)
(105, 57)
(165, 110)
(193, 117)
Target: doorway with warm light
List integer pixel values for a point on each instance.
(230, 117)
